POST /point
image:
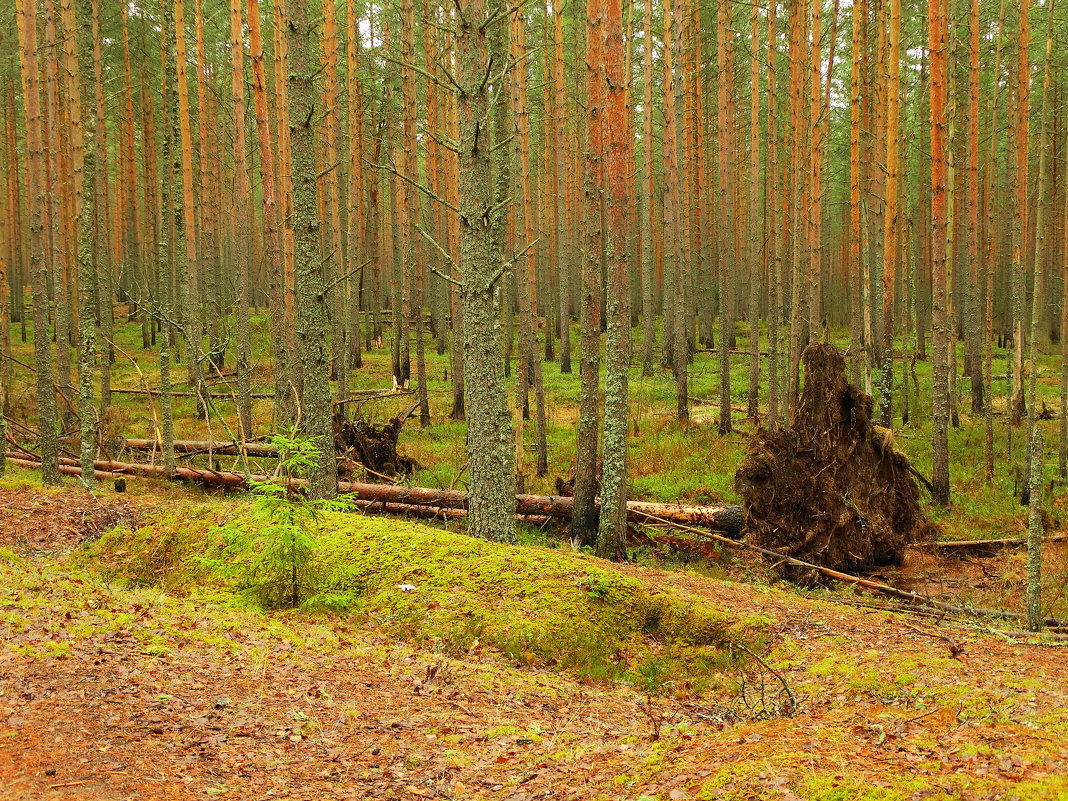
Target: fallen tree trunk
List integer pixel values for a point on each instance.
(204, 446)
(356, 394)
(729, 519)
(990, 545)
(220, 396)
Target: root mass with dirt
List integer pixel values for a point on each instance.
(831, 489)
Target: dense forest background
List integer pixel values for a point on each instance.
(277, 193)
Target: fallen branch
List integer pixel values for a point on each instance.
(868, 584)
(156, 392)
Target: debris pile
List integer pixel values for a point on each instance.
(831, 489)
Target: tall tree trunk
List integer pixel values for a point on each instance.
(564, 258)
(190, 282)
(171, 219)
(891, 212)
(104, 266)
(1035, 442)
(489, 442)
(857, 267)
(648, 212)
(36, 201)
(1019, 215)
(526, 275)
(331, 195)
(772, 217)
(613, 529)
(1039, 225)
(756, 228)
(311, 295)
(83, 154)
(357, 222)
(273, 245)
(680, 240)
(797, 72)
(242, 210)
(57, 191)
(975, 336)
(990, 264)
(584, 521)
(938, 32)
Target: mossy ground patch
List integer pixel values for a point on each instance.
(451, 592)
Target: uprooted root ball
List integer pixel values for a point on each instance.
(364, 447)
(830, 489)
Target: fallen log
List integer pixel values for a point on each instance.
(355, 394)
(204, 446)
(990, 545)
(729, 519)
(220, 397)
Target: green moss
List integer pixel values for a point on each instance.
(537, 605)
(452, 593)
(161, 553)
(49, 649)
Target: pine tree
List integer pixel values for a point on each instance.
(191, 310)
(891, 212)
(937, 29)
(613, 526)
(584, 513)
(310, 292)
(36, 202)
(491, 490)
(242, 209)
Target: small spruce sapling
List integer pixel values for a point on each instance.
(271, 550)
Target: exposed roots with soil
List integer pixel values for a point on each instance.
(831, 489)
(363, 447)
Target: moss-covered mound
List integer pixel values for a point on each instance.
(454, 593)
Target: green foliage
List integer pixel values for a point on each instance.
(271, 551)
(597, 586)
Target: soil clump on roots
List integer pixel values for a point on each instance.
(831, 489)
(364, 448)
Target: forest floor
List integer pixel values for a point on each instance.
(116, 692)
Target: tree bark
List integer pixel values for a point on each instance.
(938, 32)
(36, 201)
(311, 299)
(489, 443)
(242, 209)
(584, 522)
(611, 540)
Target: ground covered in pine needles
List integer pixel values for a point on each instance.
(113, 691)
